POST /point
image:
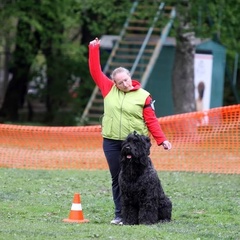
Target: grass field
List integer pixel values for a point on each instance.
(33, 204)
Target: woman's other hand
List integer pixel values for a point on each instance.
(167, 145)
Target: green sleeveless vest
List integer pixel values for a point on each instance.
(123, 113)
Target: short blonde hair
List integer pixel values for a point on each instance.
(119, 70)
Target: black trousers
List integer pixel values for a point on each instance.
(112, 151)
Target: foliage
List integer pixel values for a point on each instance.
(34, 203)
(217, 20)
(61, 31)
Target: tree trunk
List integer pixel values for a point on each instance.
(183, 75)
(183, 69)
(56, 71)
(21, 63)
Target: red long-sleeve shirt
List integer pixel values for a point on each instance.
(105, 84)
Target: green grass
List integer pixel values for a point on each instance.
(33, 204)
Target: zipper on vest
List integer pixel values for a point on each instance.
(120, 122)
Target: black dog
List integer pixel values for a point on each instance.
(142, 196)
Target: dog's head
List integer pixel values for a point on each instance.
(136, 147)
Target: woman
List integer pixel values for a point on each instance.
(127, 107)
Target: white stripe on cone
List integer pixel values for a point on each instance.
(76, 207)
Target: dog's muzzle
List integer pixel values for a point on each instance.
(127, 152)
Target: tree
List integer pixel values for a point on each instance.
(58, 30)
(26, 48)
(183, 71)
(216, 19)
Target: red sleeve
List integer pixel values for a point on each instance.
(152, 122)
(102, 81)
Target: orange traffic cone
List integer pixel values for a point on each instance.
(76, 213)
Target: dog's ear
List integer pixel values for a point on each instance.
(148, 144)
(147, 139)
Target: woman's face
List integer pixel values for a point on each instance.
(123, 81)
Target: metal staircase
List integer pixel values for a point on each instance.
(137, 49)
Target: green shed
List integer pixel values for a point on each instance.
(160, 81)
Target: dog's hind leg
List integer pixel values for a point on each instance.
(165, 210)
(148, 214)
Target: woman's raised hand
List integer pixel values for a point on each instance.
(94, 42)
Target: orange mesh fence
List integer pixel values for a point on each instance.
(202, 142)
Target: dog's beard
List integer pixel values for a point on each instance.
(130, 151)
(126, 153)
(133, 157)
(135, 149)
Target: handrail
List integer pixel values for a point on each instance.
(153, 59)
(158, 48)
(95, 91)
(120, 37)
(140, 53)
